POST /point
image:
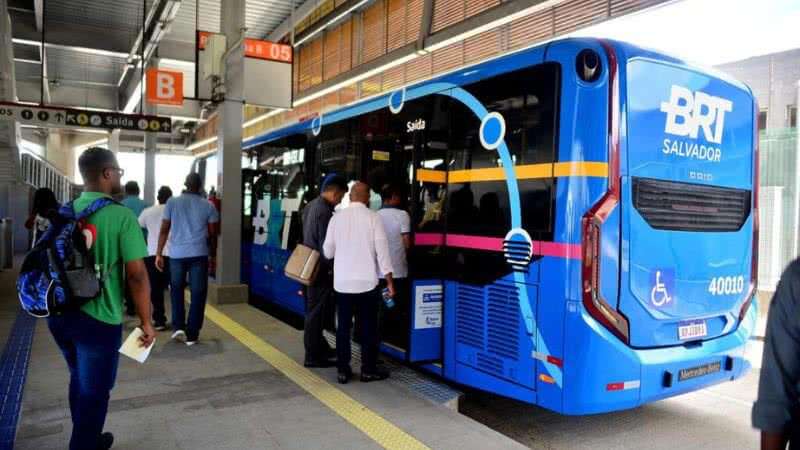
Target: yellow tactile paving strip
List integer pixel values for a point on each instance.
(370, 423)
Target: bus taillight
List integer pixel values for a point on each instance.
(593, 299)
(752, 292)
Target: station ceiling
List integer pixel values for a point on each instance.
(91, 54)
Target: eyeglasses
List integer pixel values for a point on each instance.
(119, 170)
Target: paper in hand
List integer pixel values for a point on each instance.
(132, 348)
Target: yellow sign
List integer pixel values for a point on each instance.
(379, 155)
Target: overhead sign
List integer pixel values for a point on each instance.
(164, 87)
(254, 48)
(263, 60)
(79, 118)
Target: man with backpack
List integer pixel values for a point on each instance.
(90, 337)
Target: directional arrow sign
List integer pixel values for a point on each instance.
(55, 117)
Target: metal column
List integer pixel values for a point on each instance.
(113, 141)
(150, 141)
(229, 150)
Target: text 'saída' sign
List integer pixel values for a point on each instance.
(79, 118)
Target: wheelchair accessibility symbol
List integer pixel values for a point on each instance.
(662, 286)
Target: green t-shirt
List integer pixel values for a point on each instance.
(116, 240)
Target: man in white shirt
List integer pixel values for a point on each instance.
(356, 242)
(150, 219)
(397, 224)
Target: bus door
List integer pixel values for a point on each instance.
(427, 125)
(412, 160)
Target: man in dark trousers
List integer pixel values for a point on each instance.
(356, 242)
(319, 296)
(90, 338)
(777, 409)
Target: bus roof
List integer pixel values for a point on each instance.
(506, 63)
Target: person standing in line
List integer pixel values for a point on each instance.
(90, 338)
(356, 242)
(150, 220)
(776, 411)
(397, 225)
(132, 200)
(45, 207)
(319, 296)
(190, 225)
(137, 205)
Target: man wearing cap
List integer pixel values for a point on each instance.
(190, 224)
(319, 296)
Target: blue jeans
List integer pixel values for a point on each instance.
(197, 271)
(91, 350)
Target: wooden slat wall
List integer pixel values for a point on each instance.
(386, 25)
(397, 12)
(447, 13)
(373, 39)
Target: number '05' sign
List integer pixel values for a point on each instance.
(726, 285)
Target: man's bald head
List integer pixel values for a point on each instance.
(360, 193)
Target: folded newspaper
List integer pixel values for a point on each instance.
(132, 348)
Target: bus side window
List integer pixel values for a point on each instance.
(527, 101)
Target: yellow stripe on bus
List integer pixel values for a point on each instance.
(524, 172)
(581, 169)
(383, 432)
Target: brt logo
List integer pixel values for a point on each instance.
(688, 112)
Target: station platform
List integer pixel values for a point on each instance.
(242, 386)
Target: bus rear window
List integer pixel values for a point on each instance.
(667, 205)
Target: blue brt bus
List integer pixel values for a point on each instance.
(584, 218)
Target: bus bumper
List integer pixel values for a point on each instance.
(608, 375)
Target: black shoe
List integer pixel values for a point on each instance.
(319, 364)
(376, 375)
(330, 353)
(344, 376)
(105, 441)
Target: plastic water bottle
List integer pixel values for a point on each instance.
(387, 298)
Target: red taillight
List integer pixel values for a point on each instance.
(756, 181)
(593, 299)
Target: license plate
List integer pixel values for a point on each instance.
(692, 330)
(699, 371)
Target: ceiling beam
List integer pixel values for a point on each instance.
(77, 37)
(333, 17)
(288, 24)
(38, 12)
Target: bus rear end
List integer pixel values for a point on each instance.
(680, 313)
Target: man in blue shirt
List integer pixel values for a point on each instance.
(137, 205)
(776, 411)
(190, 222)
(132, 199)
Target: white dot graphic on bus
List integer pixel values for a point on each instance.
(396, 100)
(316, 125)
(492, 131)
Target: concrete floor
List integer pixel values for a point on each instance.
(219, 395)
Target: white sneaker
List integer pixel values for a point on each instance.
(190, 343)
(179, 334)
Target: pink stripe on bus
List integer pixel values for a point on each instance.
(428, 239)
(560, 250)
(542, 248)
(476, 242)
